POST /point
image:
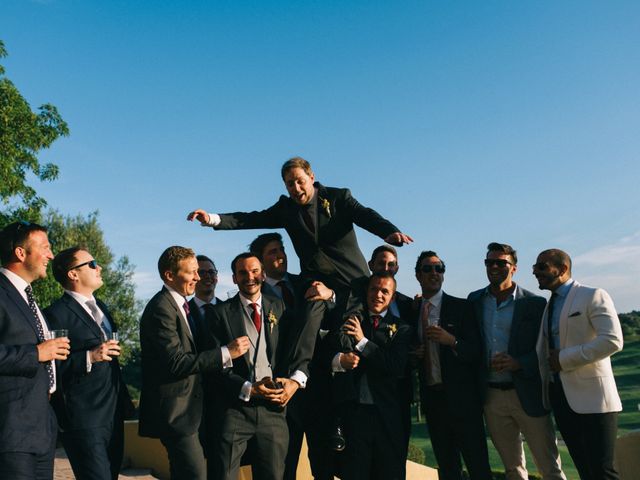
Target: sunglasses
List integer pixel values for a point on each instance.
(541, 266)
(92, 264)
(211, 273)
(500, 262)
(439, 268)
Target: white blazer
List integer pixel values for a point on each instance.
(590, 333)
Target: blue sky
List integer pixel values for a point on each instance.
(462, 122)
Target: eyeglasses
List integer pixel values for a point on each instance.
(541, 266)
(211, 273)
(499, 262)
(93, 264)
(438, 268)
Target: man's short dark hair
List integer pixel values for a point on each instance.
(382, 275)
(296, 162)
(261, 241)
(423, 255)
(503, 248)
(241, 257)
(204, 258)
(15, 235)
(383, 248)
(558, 257)
(170, 259)
(63, 262)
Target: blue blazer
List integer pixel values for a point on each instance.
(527, 316)
(27, 422)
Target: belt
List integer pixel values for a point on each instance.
(502, 385)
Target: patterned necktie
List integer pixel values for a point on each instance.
(98, 317)
(255, 316)
(375, 321)
(426, 359)
(32, 305)
(287, 296)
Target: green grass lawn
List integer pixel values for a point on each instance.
(626, 366)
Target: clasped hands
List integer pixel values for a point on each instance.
(278, 391)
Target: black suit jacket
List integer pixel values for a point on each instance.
(228, 324)
(27, 422)
(332, 254)
(460, 365)
(527, 317)
(85, 399)
(383, 362)
(203, 330)
(171, 397)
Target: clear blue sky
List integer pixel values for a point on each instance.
(462, 122)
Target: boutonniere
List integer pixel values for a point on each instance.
(272, 320)
(326, 206)
(393, 328)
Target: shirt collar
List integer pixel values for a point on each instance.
(16, 280)
(382, 314)
(81, 299)
(200, 303)
(436, 300)
(487, 292)
(563, 289)
(246, 302)
(273, 282)
(176, 296)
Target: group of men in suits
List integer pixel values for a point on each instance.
(331, 342)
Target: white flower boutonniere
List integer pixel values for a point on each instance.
(272, 320)
(326, 206)
(393, 328)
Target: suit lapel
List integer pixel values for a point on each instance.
(107, 314)
(81, 313)
(19, 302)
(271, 332)
(564, 314)
(324, 208)
(235, 323)
(182, 321)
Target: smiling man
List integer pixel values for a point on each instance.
(319, 221)
(510, 318)
(580, 331)
(172, 367)
(369, 375)
(447, 355)
(260, 383)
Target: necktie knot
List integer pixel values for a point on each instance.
(255, 316)
(375, 321)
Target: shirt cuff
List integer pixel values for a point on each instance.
(299, 377)
(214, 220)
(227, 361)
(335, 364)
(245, 392)
(89, 364)
(360, 345)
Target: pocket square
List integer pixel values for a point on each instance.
(574, 314)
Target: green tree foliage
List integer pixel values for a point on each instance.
(630, 323)
(24, 133)
(118, 291)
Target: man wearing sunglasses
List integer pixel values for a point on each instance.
(580, 331)
(93, 397)
(28, 426)
(510, 318)
(447, 355)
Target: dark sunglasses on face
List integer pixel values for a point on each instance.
(541, 266)
(500, 262)
(92, 264)
(211, 273)
(438, 268)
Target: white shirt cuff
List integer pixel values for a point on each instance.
(227, 361)
(360, 345)
(299, 377)
(245, 392)
(335, 364)
(214, 220)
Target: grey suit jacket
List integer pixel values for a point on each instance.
(527, 316)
